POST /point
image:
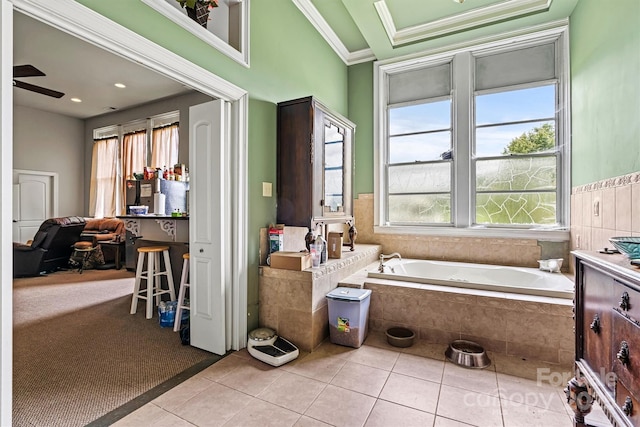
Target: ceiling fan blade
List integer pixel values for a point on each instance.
(26, 71)
(38, 89)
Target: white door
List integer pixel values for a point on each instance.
(208, 225)
(34, 200)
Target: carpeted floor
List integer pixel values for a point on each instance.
(79, 354)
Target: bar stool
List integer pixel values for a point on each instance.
(181, 293)
(153, 276)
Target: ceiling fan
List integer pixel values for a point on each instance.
(31, 71)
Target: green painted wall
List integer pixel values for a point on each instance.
(361, 113)
(289, 59)
(605, 87)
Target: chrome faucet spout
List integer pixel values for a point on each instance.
(387, 257)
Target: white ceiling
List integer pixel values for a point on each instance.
(81, 70)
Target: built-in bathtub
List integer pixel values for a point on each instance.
(518, 280)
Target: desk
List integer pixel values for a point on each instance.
(119, 250)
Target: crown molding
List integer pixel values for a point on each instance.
(473, 18)
(320, 24)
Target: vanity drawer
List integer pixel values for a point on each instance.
(626, 353)
(622, 394)
(626, 300)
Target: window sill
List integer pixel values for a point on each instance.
(555, 234)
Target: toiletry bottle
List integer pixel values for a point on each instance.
(321, 242)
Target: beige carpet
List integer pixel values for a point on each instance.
(79, 354)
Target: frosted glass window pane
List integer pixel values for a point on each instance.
(496, 140)
(422, 208)
(429, 82)
(333, 155)
(419, 118)
(516, 208)
(420, 178)
(516, 105)
(514, 174)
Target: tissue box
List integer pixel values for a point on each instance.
(297, 261)
(334, 245)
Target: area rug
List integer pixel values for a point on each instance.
(79, 354)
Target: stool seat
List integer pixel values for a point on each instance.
(182, 304)
(153, 278)
(83, 245)
(147, 249)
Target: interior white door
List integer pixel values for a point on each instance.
(34, 201)
(208, 225)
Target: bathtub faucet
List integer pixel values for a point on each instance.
(383, 257)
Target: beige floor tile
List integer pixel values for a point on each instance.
(222, 368)
(385, 414)
(531, 393)
(514, 413)
(341, 407)
(177, 396)
(151, 415)
(478, 380)
(446, 422)
(319, 366)
(252, 377)
(259, 413)
(375, 357)
(379, 340)
(327, 347)
(425, 349)
(419, 367)
(214, 406)
(469, 407)
(305, 421)
(361, 378)
(293, 392)
(412, 392)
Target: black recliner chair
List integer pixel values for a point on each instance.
(50, 249)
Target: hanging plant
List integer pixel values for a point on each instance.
(198, 10)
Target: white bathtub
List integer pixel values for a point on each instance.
(529, 281)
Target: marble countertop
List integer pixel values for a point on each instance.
(152, 216)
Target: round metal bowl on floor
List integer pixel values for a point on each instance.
(467, 354)
(400, 337)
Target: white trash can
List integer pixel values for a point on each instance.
(348, 315)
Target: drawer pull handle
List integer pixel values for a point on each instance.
(623, 354)
(627, 408)
(624, 301)
(595, 325)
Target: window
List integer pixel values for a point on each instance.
(475, 139)
(121, 150)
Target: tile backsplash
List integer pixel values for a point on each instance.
(605, 209)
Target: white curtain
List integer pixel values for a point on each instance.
(164, 146)
(104, 178)
(134, 153)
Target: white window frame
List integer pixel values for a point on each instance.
(383, 69)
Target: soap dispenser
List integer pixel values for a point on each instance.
(321, 242)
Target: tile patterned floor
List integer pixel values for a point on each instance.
(374, 386)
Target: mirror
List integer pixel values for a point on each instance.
(333, 168)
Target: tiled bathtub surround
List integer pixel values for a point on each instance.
(514, 252)
(532, 327)
(605, 209)
(294, 302)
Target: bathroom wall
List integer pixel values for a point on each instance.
(604, 209)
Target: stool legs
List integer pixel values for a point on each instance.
(181, 295)
(153, 281)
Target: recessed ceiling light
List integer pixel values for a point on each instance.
(458, 1)
(120, 85)
(76, 100)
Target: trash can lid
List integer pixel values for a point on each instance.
(350, 294)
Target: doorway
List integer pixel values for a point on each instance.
(72, 17)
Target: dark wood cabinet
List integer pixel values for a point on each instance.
(607, 337)
(315, 164)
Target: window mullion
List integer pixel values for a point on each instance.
(462, 76)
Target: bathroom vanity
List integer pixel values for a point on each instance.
(607, 336)
(314, 164)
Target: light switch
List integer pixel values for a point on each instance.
(266, 189)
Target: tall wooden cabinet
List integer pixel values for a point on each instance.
(607, 338)
(315, 164)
